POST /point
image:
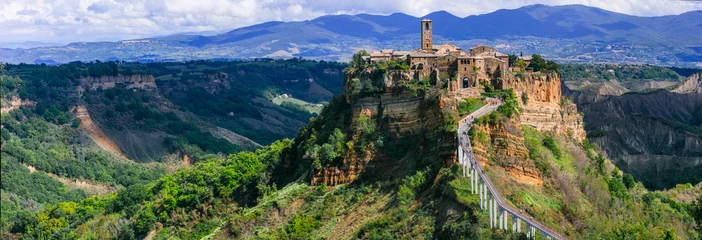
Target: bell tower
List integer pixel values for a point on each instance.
(426, 34)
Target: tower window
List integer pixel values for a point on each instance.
(426, 26)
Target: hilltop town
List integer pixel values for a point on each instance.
(386, 85)
(467, 68)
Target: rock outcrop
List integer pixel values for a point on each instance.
(654, 136)
(503, 144)
(141, 81)
(544, 108)
(693, 84)
(15, 103)
(401, 114)
(539, 87)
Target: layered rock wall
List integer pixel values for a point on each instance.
(503, 143)
(141, 81)
(545, 109)
(400, 114)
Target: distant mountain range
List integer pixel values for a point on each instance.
(572, 33)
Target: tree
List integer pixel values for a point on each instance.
(629, 180)
(2, 68)
(512, 59)
(521, 63)
(358, 61)
(537, 62)
(697, 213)
(145, 220)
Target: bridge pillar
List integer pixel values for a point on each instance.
(494, 212)
(528, 230)
(480, 191)
(490, 212)
(497, 216)
(519, 225)
(533, 232)
(472, 183)
(502, 216)
(514, 224)
(504, 219)
(487, 195)
(475, 182)
(476, 177)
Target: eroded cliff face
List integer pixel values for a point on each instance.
(503, 144)
(654, 136)
(14, 103)
(545, 109)
(141, 81)
(399, 114)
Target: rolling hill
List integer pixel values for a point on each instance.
(569, 33)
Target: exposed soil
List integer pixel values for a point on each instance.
(95, 132)
(85, 185)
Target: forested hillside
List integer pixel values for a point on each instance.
(79, 130)
(406, 189)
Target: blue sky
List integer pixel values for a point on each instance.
(63, 21)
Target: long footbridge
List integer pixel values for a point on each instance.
(502, 215)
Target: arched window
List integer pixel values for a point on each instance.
(426, 26)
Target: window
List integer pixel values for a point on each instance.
(426, 26)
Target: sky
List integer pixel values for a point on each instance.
(64, 21)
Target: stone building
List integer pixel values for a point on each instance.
(468, 68)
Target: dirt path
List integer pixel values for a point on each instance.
(95, 132)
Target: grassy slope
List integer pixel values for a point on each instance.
(309, 107)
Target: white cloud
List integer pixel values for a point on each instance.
(91, 20)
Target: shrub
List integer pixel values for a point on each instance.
(617, 188)
(550, 143)
(629, 181)
(301, 225)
